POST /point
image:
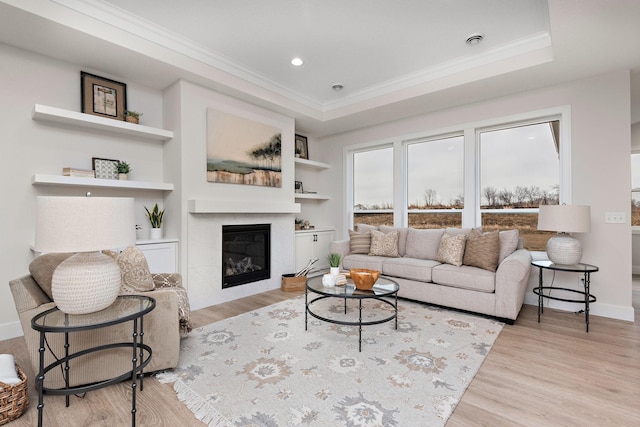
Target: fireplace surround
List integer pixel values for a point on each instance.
(246, 254)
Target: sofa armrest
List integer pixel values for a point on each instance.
(27, 295)
(342, 247)
(511, 283)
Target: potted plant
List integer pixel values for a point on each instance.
(155, 218)
(123, 169)
(132, 116)
(334, 263)
(298, 222)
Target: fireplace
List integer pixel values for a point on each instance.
(246, 254)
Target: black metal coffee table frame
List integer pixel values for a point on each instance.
(384, 288)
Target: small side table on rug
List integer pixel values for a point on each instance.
(586, 299)
(125, 308)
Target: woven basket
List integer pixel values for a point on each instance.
(292, 283)
(13, 398)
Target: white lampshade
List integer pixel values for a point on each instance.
(564, 248)
(565, 218)
(89, 280)
(84, 224)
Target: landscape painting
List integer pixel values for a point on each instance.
(242, 151)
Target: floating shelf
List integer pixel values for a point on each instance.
(311, 163)
(237, 206)
(312, 196)
(58, 115)
(40, 179)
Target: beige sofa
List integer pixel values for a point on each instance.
(162, 331)
(422, 277)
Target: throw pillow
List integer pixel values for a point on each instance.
(482, 250)
(360, 242)
(384, 244)
(509, 240)
(42, 268)
(136, 276)
(451, 249)
(402, 237)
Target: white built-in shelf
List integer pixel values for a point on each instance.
(312, 196)
(204, 206)
(311, 164)
(40, 179)
(67, 117)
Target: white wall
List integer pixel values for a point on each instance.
(600, 170)
(200, 233)
(30, 147)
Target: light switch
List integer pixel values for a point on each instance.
(614, 217)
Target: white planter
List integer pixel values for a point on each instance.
(155, 233)
(334, 271)
(123, 176)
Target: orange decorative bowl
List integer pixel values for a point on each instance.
(363, 278)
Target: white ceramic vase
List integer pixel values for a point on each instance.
(155, 233)
(334, 271)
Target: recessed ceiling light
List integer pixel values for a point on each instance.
(297, 62)
(337, 87)
(474, 39)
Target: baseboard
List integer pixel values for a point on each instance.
(596, 309)
(10, 330)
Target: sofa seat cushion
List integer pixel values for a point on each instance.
(363, 261)
(409, 268)
(465, 277)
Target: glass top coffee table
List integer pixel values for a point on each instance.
(384, 290)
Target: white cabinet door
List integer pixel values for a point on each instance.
(312, 244)
(162, 257)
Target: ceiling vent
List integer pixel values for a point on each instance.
(474, 39)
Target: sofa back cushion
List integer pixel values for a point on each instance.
(360, 243)
(402, 237)
(363, 228)
(482, 250)
(423, 244)
(509, 241)
(384, 244)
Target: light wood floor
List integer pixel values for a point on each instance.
(537, 374)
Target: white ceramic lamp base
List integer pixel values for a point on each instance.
(564, 249)
(85, 283)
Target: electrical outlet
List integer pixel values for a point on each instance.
(614, 217)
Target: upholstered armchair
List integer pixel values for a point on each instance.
(163, 326)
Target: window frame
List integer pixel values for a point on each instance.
(471, 214)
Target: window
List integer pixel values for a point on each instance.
(373, 186)
(492, 174)
(635, 189)
(519, 171)
(435, 182)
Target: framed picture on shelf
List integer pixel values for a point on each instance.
(302, 148)
(298, 187)
(105, 168)
(103, 97)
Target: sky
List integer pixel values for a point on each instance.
(521, 156)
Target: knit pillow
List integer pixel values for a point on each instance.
(360, 242)
(482, 250)
(451, 249)
(384, 244)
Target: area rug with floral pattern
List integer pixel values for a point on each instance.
(263, 368)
